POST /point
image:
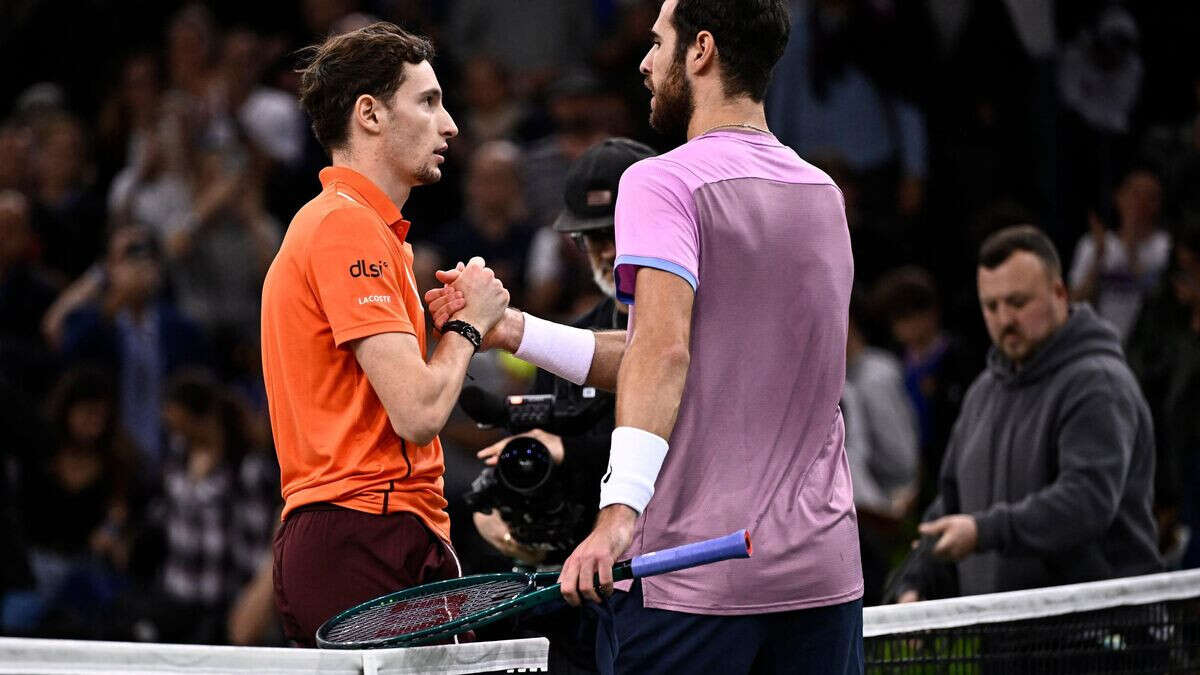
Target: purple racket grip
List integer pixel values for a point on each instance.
(733, 545)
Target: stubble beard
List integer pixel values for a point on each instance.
(674, 104)
(427, 175)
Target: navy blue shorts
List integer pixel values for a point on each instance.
(634, 639)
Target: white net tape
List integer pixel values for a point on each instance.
(58, 657)
(1030, 604)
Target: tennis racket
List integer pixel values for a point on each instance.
(439, 610)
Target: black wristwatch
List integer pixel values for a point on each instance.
(466, 330)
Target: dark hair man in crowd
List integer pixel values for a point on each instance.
(758, 323)
(1048, 478)
(355, 407)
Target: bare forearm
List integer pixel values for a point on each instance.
(606, 362)
(650, 385)
(418, 396)
(447, 369)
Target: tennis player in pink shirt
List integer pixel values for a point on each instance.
(735, 256)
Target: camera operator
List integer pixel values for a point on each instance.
(581, 459)
(590, 195)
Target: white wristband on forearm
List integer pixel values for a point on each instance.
(565, 351)
(633, 465)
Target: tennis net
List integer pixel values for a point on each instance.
(1147, 624)
(58, 657)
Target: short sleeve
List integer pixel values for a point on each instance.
(358, 277)
(656, 226)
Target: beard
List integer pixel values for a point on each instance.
(427, 175)
(603, 279)
(673, 103)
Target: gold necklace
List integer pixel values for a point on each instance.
(734, 124)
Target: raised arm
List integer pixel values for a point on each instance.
(649, 391)
(576, 354)
(419, 396)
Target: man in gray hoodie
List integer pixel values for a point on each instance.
(1048, 476)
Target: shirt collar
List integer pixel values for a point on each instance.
(362, 190)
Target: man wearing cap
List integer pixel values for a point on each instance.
(735, 255)
(590, 194)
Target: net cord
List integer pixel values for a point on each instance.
(1029, 604)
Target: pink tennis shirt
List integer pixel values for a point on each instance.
(761, 237)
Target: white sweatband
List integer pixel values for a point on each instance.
(633, 464)
(565, 351)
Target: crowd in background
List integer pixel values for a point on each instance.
(151, 158)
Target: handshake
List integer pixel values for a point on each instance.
(472, 293)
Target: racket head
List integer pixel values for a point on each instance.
(431, 612)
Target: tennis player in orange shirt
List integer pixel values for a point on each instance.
(355, 406)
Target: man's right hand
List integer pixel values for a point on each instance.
(485, 297)
(446, 302)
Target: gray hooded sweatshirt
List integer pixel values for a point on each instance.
(1056, 462)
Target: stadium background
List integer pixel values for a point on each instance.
(151, 154)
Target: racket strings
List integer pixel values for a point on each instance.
(414, 614)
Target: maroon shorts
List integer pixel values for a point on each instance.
(329, 558)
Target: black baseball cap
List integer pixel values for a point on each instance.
(591, 192)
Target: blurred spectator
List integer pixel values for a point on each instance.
(619, 56)
(1099, 79)
(321, 16)
(130, 114)
(881, 445)
(68, 214)
(191, 44)
(1115, 270)
(1101, 73)
(16, 147)
(1184, 176)
(22, 441)
(493, 111)
(578, 124)
(495, 224)
(155, 188)
(268, 120)
(117, 314)
(938, 365)
(557, 273)
(1164, 351)
(25, 294)
(219, 251)
(75, 510)
(991, 107)
(829, 98)
(549, 36)
(217, 510)
(1048, 478)
(253, 619)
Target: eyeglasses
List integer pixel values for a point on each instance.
(593, 240)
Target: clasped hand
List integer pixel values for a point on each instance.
(470, 293)
(454, 301)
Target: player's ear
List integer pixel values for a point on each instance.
(368, 114)
(702, 54)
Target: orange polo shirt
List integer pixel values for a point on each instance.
(344, 272)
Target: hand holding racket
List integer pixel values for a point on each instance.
(587, 572)
(435, 612)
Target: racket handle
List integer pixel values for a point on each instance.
(732, 545)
